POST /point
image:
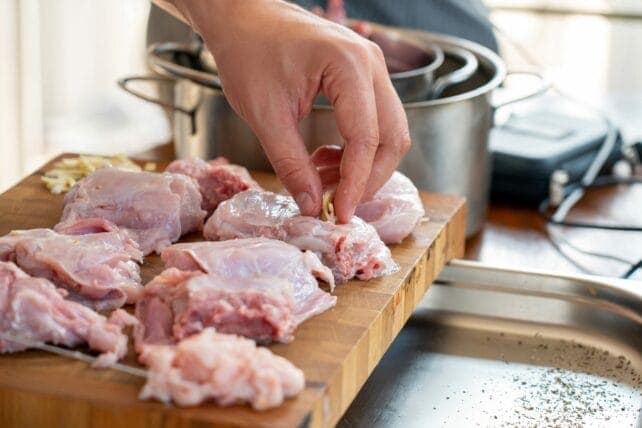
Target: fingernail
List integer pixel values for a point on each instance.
(305, 203)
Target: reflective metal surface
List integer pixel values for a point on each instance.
(450, 134)
(495, 347)
(412, 64)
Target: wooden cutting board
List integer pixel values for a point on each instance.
(337, 350)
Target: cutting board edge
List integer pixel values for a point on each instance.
(449, 244)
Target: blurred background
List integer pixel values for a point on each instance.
(59, 62)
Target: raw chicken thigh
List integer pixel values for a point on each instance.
(97, 269)
(218, 180)
(251, 257)
(225, 368)
(177, 304)
(34, 310)
(155, 209)
(265, 289)
(394, 210)
(350, 250)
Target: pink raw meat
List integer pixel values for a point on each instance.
(225, 368)
(350, 250)
(155, 209)
(258, 259)
(34, 310)
(177, 304)
(98, 269)
(394, 210)
(218, 180)
(251, 257)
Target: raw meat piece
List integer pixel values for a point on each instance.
(260, 260)
(155, 209)
(250, 214)
(225, 368)
(350, 250)
(394, 210)
(98, 269)
(251, 257)
(177, 304)
(217, 179)
(34, 310)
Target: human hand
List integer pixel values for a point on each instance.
(273, 59)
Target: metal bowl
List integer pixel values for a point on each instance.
(411, 65)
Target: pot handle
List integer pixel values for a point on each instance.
(124, 82)
(459, 75)
(544, 86)
(167, 67)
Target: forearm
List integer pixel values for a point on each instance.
(206, 17)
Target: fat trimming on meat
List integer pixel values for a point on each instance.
(224, 368)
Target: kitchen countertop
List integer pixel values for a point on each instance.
(515, 236)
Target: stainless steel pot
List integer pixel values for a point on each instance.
(449, 134)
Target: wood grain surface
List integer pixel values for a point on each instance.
(337, 350)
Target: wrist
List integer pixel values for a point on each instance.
(213, 18)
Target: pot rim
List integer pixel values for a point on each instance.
(484, 55)
(431, 48)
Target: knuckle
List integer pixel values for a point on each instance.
(376, 52)
(405, 142)
(369, 141)
(287, 168)
(402, 143)
(362, 52)
(355, 53)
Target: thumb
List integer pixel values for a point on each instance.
(286, 151)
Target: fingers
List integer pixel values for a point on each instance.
(286, 151)
(350, 89)
(394, 137)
